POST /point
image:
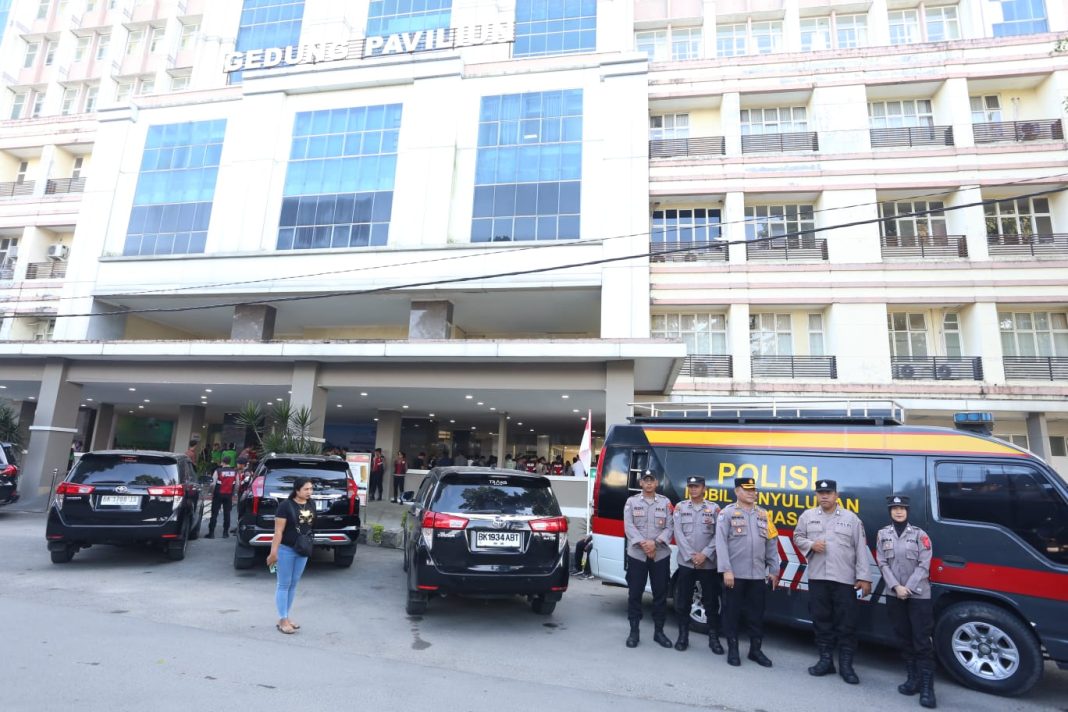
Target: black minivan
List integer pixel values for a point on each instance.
(485, 532)
(126, 497)
(9, 475)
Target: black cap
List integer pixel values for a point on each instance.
(695, 480)
(897, 500)
(826, 486)
(648, 475)
(226, 459)
(745, 483)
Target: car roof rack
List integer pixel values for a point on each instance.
(850, 412)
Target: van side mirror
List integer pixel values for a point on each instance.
(408, 497)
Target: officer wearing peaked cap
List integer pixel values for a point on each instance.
(903, 552)
(695, 537)
(648, 525)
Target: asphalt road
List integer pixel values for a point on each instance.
(122, 629)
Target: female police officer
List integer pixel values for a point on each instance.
(903, 552)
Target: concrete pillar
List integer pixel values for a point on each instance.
(544, 444)
(950, 104)
(618, 392)
(1038, 435)
(734, 226)
(738, 341)
(981, 336)
(27, 410)
(502, 438)
(253, 322)
(190, 420)
(730, 119)
(970, 222)
(430, 320)
(708, 29)
(104, 431)
(856, 335)
(309, 394)
(387, 437)
(52, 432)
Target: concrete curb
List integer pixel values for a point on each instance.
(385, 538)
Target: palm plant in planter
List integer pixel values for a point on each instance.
(9, 426)
(281, 428)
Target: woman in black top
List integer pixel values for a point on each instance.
(295, 516)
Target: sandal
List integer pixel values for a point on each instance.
(287, 631)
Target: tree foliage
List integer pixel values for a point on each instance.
(281, 428)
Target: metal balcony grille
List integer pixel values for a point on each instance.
(707, 366)
(695, 251)
(46, 270)
(1051, 245)
(13, 190)
(912, 136)
(1036, 368)
(795, 367)
(769, 143)
(787, 248)
(64, 185)
(936, 368)
(922, 247)
(1018, 131)
(697, 146)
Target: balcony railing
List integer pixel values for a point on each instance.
(795, 367)
(924, 246)
(13, 190)
(707, 366)
(936, 368)
(697, 146)
(912, 136)
(1019, 131)
(787, 248)
(64, 185)
(1036, 368)
(695, 251)
(795, 141)
(46, 270)
(1049, 245)
(7, 274)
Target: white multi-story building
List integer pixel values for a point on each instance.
(472, 222)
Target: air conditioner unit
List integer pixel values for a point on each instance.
(58, 252)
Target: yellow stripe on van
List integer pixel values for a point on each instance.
(951, 443)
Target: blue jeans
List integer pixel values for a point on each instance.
(290, 569)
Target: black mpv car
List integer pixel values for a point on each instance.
(9, 475)
(483, 532)
(126, 497)
(337, 506)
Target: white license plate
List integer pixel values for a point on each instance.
(504, 540)
(114, 500)
(321, 505)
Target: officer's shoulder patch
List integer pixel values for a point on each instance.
(926, 541)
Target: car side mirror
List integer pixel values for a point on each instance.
(408, 497)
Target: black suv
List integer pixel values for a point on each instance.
(484, 532)
(9, 475)
(126, 497)
(337, 506)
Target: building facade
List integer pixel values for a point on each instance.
(405, 214)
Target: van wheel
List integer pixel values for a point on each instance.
(62, 556)
(988, 648)
(416, 605)
(194, 526)
(244, 557)
(406, 564)
(176, 549)
(343, 562)
(542, 607)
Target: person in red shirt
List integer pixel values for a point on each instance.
(400, 467)
(225, 482)
(378, 474)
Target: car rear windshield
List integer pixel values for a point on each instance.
(143, 470)
(7, 455)
(496, 497)
(326, 475)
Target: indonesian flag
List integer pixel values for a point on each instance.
(586, 448)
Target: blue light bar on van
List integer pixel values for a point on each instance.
(972, 418)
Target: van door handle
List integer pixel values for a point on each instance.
(956, 562)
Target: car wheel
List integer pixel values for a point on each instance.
(176, 549)
(407, 563)
(62, 556)
(343, 562)
(194, 527)
(416, 605)
(542, 607)
(988, 648)
(244, 557)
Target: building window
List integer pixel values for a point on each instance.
(529, 168)
(90, 98)
(851, 31)
(684, 226)
(908, 334)
(654, 43)
(179, 82)
(942, 23)
(815, 334)
(986, 109)
(704, 334)
(951, 335)
(769, 221)
(732, 40)
(38, 104)
(339, 185)
(815, 34)
(9, 249)
(667, 126)
(767, 37)
(1034, 333)
(770, 335)
(904, 26)
(786, 119)
(899, 220)
(43, 6)
(554, 27)
(70, 99)
(189, 36)
(175, 189)
(122, 91)
(30, 58)
(1057, 446)
(385, 17)
(268, 23)
(1021, 17)
(102, 44)
(81, 47)
(76, 170)
(134, 42)
(18, 104)
(685, 43)
(155, 42)
(1023, 216)
(896, 114)
(20, 175)
(677, 44)
(49, 52)
(147, 85)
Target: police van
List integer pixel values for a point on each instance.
(997, 515)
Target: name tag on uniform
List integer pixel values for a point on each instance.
(888, 544)
(639, 511)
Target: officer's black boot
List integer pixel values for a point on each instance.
(756, 654)
(660, 638)
(732, 652)
(927, 695)
(632, 639)
(845, 666)
(684, 636)
(912, 683)
(825, 665)
(713, 642)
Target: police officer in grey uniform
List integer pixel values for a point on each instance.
(695, 537)
(833, 540)
(747, 554)
(903, 552)
(648, 526)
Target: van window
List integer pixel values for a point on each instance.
(1016, 497)
(639, 463)
(139, 470)
(477, 496)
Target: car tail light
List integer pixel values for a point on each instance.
(257, 493)
(70, 488)
(9, 471)
(557, 525)
(440, 520)
(353, 492)
(176, 493)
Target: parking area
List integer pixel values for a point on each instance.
(124, 629)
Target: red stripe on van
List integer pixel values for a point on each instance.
(1005, 579)
(608, 527)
